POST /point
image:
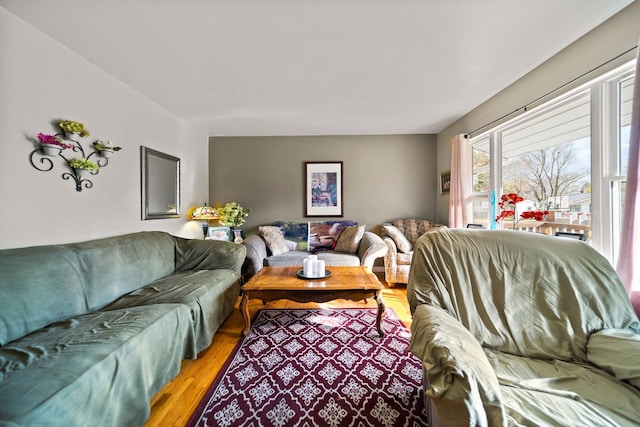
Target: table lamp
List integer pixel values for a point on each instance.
(204, 213)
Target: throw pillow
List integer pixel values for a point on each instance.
(349, 239)
(274, 239)
(403, 244)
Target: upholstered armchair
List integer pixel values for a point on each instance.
(400, 236)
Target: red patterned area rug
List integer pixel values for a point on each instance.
(322, 367)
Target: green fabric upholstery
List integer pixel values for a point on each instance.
(99, 369)
(38, 286)
(114, 266)
(528, 312)
(90, 331)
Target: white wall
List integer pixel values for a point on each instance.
(610, 39)
(41, 81)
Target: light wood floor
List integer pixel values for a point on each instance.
(176, 402)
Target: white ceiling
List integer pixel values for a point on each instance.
(312, 67)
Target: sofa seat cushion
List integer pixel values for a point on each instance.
(209, 294)
(295, 258)
(78, 369)
(553, 392)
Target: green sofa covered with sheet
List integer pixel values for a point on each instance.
(522, 329)
(90, 331)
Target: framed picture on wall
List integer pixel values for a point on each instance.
(445, 182)
(219, 233)
(323, 189)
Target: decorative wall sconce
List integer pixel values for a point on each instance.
(54, 145)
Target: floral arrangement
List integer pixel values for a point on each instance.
(105, 144)
(53, 140)
(232, 214)
(508, 205)
(74, 127)
(83, 163)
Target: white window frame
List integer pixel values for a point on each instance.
(605, 168)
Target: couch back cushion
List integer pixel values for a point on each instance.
(38, 286)
(527, 294)
(413, 228)
(114, 266)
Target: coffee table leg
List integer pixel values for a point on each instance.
(381, 308)
(244, 309)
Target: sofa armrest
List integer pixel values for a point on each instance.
(390, 260)
(617, 351)
(256, 253)
(371, 248)
(462, 383)
(196, 254)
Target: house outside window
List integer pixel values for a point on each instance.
(567, 157)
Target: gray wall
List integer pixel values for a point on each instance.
(614, 36)
(384, 177)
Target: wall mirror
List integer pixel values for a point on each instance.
(160, 183)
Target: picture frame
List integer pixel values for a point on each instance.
(445, 182)
(323, 189)
(219, 233)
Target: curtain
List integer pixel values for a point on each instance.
(460, 204)
(629, 254)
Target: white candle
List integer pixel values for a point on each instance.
(320, 268)
(307, 268)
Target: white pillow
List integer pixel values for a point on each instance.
(274, 239)
(403, 244)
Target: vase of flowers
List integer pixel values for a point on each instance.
(51, 144)
(105, 148)
(82, 165)
(73, 129)
(233, 215)
(508, 204)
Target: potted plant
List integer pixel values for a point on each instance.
(105, 147)
(71, 127)
(82, 164)
(51, 144)
(233, 215)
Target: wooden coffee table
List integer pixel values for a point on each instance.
(274, 283)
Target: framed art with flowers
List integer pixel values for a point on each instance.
(323, 189)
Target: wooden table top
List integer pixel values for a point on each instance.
(285, 278)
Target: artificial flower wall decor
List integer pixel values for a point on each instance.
(52, 146)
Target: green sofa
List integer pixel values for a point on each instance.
(91, 331)
(522, 329)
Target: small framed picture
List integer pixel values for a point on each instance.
(445, 182)
(219, 233)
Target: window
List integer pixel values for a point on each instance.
(567, 157)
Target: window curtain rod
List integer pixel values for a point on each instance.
(524, 107)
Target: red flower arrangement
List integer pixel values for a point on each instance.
(508, 205)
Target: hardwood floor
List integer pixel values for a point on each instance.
(176, 402)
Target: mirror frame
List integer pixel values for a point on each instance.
(147, 187)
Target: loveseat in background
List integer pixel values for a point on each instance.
(313, 237)
(91, 331)
(400, 236)
(516, 328)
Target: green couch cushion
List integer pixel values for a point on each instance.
(40, 285)
(209, 294)
(114, 266)
(100, 369)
